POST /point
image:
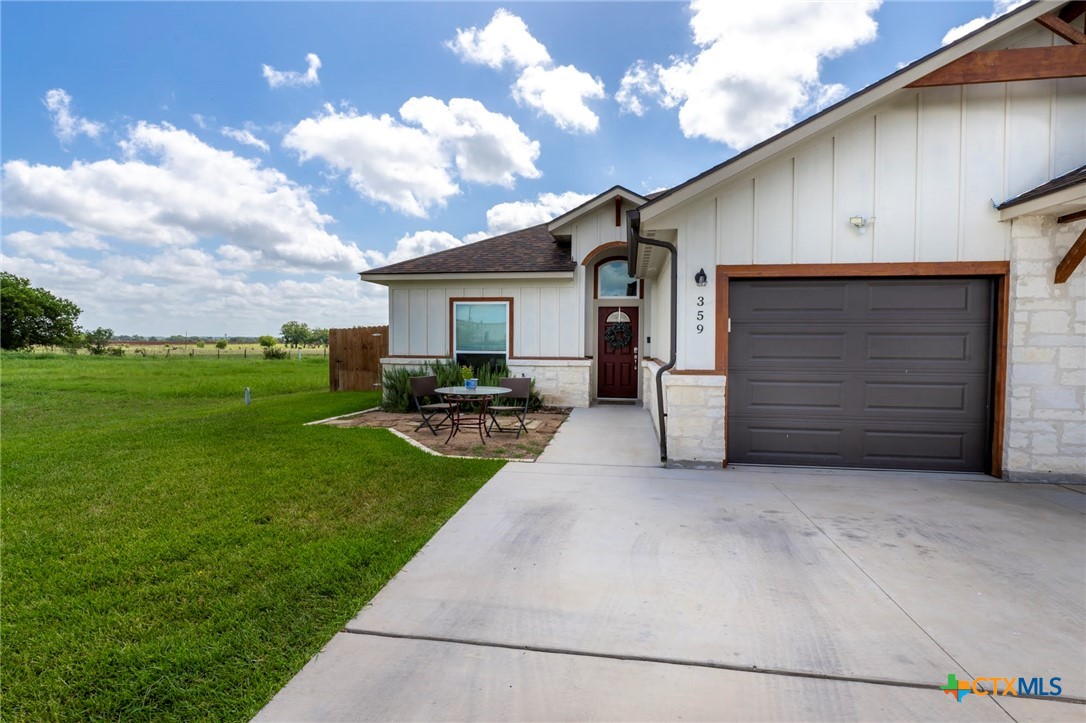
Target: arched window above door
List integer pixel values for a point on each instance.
(613, 282)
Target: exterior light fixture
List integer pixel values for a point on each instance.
(700, 278)
(861, 223)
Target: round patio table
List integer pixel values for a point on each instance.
(460, 397)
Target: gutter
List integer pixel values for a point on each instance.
(633, 238)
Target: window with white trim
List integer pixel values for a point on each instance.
(480, 332)
(613, 281)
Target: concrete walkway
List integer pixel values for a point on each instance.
(619, 435)
(572, 591)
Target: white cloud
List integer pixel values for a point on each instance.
(641, 79)
(200, 121)
(30, 242)
(51, 246)
(414, 245)
(185, 290)
(756, 70)
(559, 92)
(66, 125)
(293, 78)
(245, 137)
(486, 147)
(1000, 7)
(172, 190)
(515, 215)
(385, 161)
(505, 39)
(411, 168)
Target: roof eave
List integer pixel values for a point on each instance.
(385, 279)
(1061, 202)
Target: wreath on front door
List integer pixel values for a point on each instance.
(618, 336)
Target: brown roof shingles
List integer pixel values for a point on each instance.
(530, 250)
(1067, 180)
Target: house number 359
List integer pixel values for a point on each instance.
(701, 315)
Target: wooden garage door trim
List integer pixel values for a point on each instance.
(1000, 270)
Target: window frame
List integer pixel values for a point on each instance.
(488, 300)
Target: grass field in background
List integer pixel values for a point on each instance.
(174, 349)
(170, 553)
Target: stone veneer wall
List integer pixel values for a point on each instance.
(695, 414)
(1045, 424)
(562, 382)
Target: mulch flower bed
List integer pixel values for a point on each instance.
(542, 426)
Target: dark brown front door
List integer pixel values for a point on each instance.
(616, 353)
(860, 372)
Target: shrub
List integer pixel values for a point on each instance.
(115, 350)
(220, 344)
(396, 382)
(98, 340)
(275, 352)
(200, 345)
(448, 373)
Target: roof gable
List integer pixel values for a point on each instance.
(559, 224)
(854, 104)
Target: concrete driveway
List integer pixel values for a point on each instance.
(564, 591)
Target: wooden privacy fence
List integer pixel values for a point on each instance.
(354, 358)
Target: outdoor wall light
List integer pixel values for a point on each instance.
(700, 278)
(860, 222)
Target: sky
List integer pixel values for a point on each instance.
(218, 169)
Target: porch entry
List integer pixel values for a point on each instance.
(616, 352)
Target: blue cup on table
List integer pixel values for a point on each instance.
(471, 383)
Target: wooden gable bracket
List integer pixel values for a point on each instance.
(1001, 66)
(1072, 10)
(1060, 23)
(1071, 259)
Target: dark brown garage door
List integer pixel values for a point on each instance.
(860, 372)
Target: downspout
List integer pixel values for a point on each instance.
(633, 239)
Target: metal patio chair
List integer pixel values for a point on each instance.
(424, 389)
(515, 402)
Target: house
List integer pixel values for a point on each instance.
(531, 298)
(890, 283)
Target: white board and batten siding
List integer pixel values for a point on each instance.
(925, 167)
(549, 319)
(598, 228)
(545, 316)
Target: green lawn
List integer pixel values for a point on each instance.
(169, 553)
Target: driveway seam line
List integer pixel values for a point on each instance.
(889, 597)
(673, 661)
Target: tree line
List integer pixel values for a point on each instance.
(32, 316)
